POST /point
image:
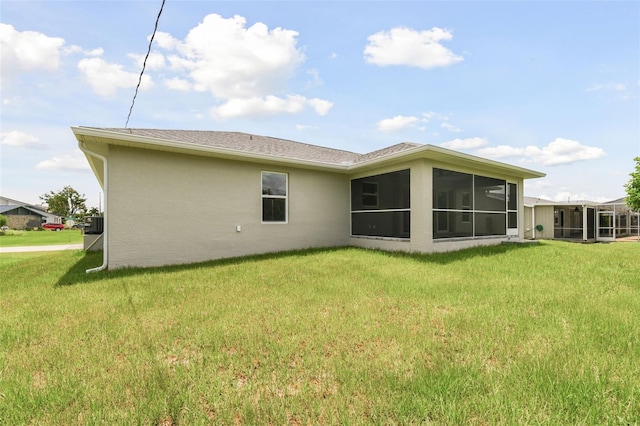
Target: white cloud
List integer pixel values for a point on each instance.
(233, 61)
(178, 84)
(427, 116)
(95, 52)
(165, 40)
(248, 68)
(405, 46)
(568, 196)
(105, 78)
(306, 127)
(396, 123)
(450, 127)
(468, 143)
(268, 106)
(320, 106)
(74, 161)
(560, 151)
(77, 49)
(502, 151)
(314, 79)
(619, 89)
(71, 49)
(155, 61)
(19, 139)
(27, 51)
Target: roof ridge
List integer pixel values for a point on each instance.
(245, 142)
(382, 152)
(307, 144)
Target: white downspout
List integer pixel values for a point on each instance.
(105, 190)
(533, 221)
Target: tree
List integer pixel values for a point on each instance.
(67, 202)
(93, 211)
(633, 187)
(3, 220)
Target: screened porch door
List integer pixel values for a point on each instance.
(606, 226)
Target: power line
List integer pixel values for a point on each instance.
(144, 64)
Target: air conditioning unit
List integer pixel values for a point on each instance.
(94, 225)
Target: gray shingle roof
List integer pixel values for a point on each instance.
(6, 208)
(263, 145)
(386, 151)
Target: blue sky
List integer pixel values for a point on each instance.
(550, 86)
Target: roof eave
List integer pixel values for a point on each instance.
(186, 147)
(420, 151)
(446, 155)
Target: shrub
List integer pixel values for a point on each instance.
(33, 223)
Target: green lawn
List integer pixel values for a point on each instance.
(512, 334)
(13, 238)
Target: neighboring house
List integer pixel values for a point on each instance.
(244, 194)
(579, 220)
(22, 215)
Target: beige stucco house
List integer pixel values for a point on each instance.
(21, 215)
(580, 220)
(174, 196)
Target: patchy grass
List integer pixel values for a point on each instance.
(12, 238)
(544, 333)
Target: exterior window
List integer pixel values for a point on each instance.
(512, 206)
(469, 206)
(370, 194)
(452, 204)
(274, 197)
(380, 205)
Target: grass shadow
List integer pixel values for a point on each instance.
(77, 273)
(445, 258)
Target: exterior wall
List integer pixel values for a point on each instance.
(544, 217)
(23, 221)
(418, 232)
(147, 227)
(422, 215)
(444, 245)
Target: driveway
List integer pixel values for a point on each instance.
(41, 248)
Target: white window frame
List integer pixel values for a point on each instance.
(370, 194)
(512, 231)
(443, 225)
(466, 216)
(372, 209)
(271, 196)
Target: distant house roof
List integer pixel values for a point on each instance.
(10, 207)
(6, 201)
(534, 201)
(622, 200)
(248, 147)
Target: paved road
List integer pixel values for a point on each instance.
(41, 248)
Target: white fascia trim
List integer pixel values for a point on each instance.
(421, 151)
(438, 153)
(220, 152)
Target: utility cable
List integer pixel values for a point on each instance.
(144, 64)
